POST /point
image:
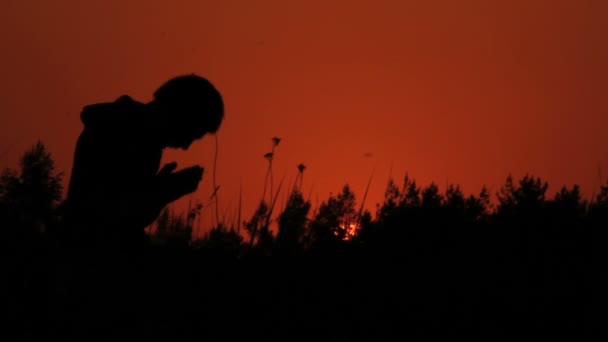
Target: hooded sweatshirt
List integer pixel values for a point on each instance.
(115, 163)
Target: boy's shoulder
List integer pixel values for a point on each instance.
(124, 109)
(126, 100)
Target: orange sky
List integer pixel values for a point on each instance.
(458, 91)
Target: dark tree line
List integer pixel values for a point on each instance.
(429, 262)
(29, 197)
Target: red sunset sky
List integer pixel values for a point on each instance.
(459, 91)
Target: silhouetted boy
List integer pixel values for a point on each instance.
(116, 188)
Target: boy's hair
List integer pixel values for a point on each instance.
(194, 101)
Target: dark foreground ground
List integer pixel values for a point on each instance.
(187, 295)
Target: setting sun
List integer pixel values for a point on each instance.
(347, 234)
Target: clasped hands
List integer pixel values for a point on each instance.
(174, 185)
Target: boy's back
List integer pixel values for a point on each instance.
(114, 158)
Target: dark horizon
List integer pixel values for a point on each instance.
(430, 264)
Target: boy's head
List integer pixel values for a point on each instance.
(189, 107)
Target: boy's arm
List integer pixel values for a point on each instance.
(142, 206)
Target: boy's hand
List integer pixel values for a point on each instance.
(167, 169)
(187, 179)
(180, 183)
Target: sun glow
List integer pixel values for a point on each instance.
(347, 230)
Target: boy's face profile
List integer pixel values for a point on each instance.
(182, 129)
(180, 135)
(182, 142)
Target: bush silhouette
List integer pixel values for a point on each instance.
(430, 262)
